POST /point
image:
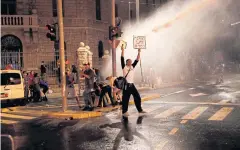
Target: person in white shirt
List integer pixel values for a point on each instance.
(129, 88)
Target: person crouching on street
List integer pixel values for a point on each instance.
(88, 74)
(129, 88)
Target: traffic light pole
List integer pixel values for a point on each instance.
(61, 53)
(114, 68)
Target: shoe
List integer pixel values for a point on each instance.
(141, 113)
(90, 109)
(85, 108)
(126, 114)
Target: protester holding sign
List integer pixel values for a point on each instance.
(129, 87)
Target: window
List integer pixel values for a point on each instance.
(10, 79)
(146, 2)
(116, 10)
(8, 7)
(98, 10)
(54, 7)
(131, 14)
(154, 3)
(100, 49)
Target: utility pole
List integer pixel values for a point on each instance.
(114, 69)
(61, 53)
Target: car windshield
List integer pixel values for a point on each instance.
(10, 78)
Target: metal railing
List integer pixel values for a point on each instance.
(32, 61)
(10, 139)
(19, 20)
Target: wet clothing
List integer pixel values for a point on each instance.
(130, 76)
(89, 82)
(130, 89)
(70, 90)
(89, 88)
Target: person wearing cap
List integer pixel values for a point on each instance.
(70, 86)
(88, 74)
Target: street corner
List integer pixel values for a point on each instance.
(147, 98)
(74, 114)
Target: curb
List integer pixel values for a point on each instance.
(74, 115)
(3, 110)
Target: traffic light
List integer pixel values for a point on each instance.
(114, 32)
(52, 35)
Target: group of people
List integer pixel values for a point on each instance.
(32, 82)
(95, 87)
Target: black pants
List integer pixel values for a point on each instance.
(129, 90)
(106, 89)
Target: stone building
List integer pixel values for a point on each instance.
(23, 24)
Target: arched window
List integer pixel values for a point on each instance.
(8, 7)
(100, 49)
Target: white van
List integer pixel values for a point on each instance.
(12, 88)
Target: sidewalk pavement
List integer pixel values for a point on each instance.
(53, 111)
(140, 88)
(58, 94)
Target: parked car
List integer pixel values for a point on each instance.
(12, 88)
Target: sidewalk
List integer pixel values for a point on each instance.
(46, 109)
(140, 88)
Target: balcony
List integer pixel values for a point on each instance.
(19, 21)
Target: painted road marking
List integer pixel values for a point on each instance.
(5, 121)
(184, 121)
(198, 94)
(16, 116)
(221, 114)
(180, 91)
(173, 131)
(148, 110)
(191, 88)
(224, 101)
(161, 145)
(194, 113)
(169, 112)
(192, 103)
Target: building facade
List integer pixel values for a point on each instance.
(23, 24)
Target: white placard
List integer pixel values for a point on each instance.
(139, 42)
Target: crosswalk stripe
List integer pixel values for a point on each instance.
(173, 131)
(148, 110)
(169, 112)
(5, 121)
(184, 121)
(16, 116)
(161, 145)
(224, 101)
(221, 114)
(194, 113)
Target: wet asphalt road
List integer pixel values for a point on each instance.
(188, 117)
